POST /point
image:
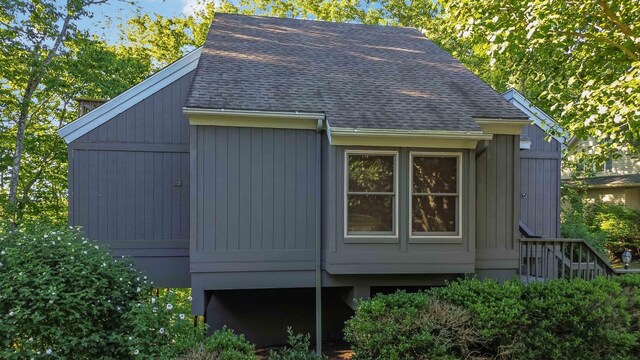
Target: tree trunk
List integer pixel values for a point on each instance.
(17, 155)
(32, 85)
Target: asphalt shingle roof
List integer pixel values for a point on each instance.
(360, 76)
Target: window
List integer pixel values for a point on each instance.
(371, 193)
(435, 195)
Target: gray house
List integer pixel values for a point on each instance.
(291, 161)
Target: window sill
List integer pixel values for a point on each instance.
(435, 240)
(370, 240)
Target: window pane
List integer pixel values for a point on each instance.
(435, 174)
(371, 173)
(370, 213)
(434, 213)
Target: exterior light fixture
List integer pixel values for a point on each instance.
(626, 258)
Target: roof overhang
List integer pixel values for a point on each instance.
(254, 118)
(538, 117)
(502, 126)
(605, 182)
(406, 138)
(131, 97)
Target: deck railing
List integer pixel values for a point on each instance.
(544, 259)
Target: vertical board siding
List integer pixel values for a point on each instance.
(540, 184)
(258, 191)
(497, 188)
(157, 119)
(129, 183)
(131, 196)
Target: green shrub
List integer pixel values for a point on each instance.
(573, 226)
(621, 225)
(223, 344)
(160, 326)
(609, 228)
(63, 296)
(577, 319)
(299, 349)
(410, 326)
(496, 310)
(547, 320)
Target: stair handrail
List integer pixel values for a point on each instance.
(603, 261)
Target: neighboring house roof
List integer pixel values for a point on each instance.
(131, 97)
(359, 76)
(628, 180)
(537, 116)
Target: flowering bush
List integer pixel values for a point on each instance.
(62, 296)
(162, 327)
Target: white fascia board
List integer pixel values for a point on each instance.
(131, 97)
(539, 117)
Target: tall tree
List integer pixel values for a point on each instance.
(46, 62)
(577, 60)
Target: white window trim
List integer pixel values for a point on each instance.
(395, 219)
(435, 235)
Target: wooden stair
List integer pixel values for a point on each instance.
(546, 258)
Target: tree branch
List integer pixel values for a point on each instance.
(630, 54)
(616, 20)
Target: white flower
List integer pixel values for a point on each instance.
(130, 338)
(145, 277)
(49, 351)
(190, 298)
(169, 306)
(617, 119)
(136, 352)
(85, 252)
(153, 300)
(602, 109)
(11, 313)
(53, 243)
(138, 289)
(182, 316)
(155, 309)
(161, 331)
(1, 264)
(2, 252)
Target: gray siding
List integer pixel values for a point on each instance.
(400, 255)
(129, 184)
(540, 184)
(254, 199)
(498, 205)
